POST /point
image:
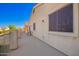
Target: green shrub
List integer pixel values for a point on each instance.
(12, 27)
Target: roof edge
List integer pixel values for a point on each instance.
(37, 5)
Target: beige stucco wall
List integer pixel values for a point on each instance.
(67, 43)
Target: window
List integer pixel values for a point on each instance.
(62, 20)
(34, 26)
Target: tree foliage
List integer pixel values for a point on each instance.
(12, 27)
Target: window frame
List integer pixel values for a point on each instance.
(34, 26)
(58, 23)
(75, 23)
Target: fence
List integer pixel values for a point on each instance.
(9, 41)
(4, 44)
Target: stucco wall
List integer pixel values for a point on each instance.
(65, 42)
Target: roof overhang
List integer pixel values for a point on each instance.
(37, 5)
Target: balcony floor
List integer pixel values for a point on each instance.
(31, 46)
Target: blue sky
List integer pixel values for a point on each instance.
(15, 13)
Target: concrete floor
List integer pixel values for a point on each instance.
(31, 46)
